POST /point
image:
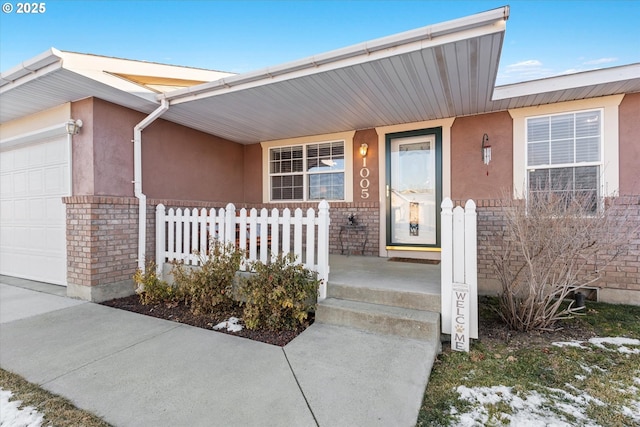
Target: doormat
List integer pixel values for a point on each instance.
(415, 261)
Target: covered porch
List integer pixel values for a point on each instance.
(376, 273)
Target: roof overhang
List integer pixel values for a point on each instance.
(569, 87)
(55, 77)
(438, 71)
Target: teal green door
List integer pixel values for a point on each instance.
(414, 188)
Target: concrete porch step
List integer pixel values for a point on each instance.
(383, 319)
(381, 296)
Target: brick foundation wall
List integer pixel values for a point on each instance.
(102, 246)
(620, 281)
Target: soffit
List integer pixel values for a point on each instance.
(61, 86)
(438, 81)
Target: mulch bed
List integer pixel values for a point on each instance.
(180, 313)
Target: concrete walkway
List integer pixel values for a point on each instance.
(135, 370)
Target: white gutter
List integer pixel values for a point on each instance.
(34, 67)
(137, 179)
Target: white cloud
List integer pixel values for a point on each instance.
(529, 69)
(525, 64)
(600, 61)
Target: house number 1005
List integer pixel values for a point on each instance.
(364, 179)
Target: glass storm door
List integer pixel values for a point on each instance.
(414, 188)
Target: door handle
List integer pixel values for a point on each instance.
(387, 190)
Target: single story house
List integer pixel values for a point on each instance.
(90, 145)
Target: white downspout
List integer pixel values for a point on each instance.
(137, 180)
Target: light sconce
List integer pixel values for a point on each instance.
(486, 149)
(73, 126)
(363, 149)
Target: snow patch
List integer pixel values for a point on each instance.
(621, 342)
(12, 415)
(528, 410)
(577, 344)
(231, 325)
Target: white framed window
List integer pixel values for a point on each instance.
(307, 172)
(564, 154)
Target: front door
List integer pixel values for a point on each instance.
(414, 189)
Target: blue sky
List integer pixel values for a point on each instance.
(543, 37)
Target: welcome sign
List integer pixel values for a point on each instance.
(460, 317)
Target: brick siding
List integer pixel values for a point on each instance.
(102, 239)
(621, 274)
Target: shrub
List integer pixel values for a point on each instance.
(151, 289)
(279, 295)
(211, 284)
(552, 246)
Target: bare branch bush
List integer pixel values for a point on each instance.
(554, 244)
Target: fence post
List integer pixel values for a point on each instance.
(160, 239)
(446, 264)
(471, 264)
(323, 247)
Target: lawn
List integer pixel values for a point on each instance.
(39, 407)
(587, 373)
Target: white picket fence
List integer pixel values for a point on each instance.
(459, 273)
(184, 234)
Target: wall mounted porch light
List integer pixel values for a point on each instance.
(363, 149)
(73, 126)
(486, 149)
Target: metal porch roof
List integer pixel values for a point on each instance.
(443, 70)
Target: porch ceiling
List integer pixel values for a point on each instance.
(434, 72)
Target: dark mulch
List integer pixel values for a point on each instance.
(182, 314)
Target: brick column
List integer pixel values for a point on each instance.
(102, 246)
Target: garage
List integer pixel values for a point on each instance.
(34, 177)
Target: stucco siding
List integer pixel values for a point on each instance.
(470, 177)
(629, 129)
(185, 164)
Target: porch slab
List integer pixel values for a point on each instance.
(381, 273)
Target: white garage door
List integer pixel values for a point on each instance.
(34, 178)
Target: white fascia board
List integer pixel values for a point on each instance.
(568, 81)
(33, 68)
(485, 23)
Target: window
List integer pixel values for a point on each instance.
(307, 172)
(564, 154)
